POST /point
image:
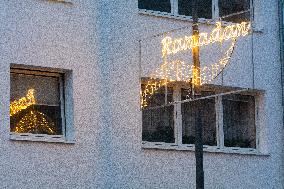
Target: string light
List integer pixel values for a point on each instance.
(22, 103)
(35, 122)
(180, 71)
(151, 87)
(219, 34)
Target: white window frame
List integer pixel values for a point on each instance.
(220, 147)
(65, 87)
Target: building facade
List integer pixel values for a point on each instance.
(72, 75)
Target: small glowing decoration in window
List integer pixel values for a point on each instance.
(35, 122)
(178, 70)
(23, 103)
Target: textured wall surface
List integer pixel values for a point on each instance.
(98, 40)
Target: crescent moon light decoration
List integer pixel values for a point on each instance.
(179, 71)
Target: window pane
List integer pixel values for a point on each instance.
(35, 104)
(46, 88)
(155, 5)
(158, 122)
(239, 121)
(204, 9)
(228, 7)
(208, 119)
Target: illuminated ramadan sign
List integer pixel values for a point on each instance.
(178, 70)
(219, 34)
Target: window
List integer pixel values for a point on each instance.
(155, 5)
(189, 111)
(228, 118)
(227, 10)
(37, 105)
(239, 121)
(204, 8)
(158, 121)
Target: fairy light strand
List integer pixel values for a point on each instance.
(23, 103)
(34, 121)
(172, 46)
(180, 71)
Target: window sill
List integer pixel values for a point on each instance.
(189, 18)
(210, 149)
(39, 138)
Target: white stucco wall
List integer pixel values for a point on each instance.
(98, 41)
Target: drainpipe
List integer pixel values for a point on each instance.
(281, 37)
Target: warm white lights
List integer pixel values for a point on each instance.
(35, 122)
(178, 70)
(22, 103)
(219, 34)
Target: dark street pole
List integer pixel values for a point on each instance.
(196, 88)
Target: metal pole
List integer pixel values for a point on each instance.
(199, 149)
(196, 86)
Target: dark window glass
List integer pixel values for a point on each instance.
(228, 8)
(158, 120)
(204, 8)
(190, 110)
(158, 124)
(239, 121)
(35, 104)
(155, 5)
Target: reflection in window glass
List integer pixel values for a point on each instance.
(208, 119)
(35, 104)
(158, 124)
(158, 120)
(204, 8)
(239, 121)
(155, 5)
(229, 7)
